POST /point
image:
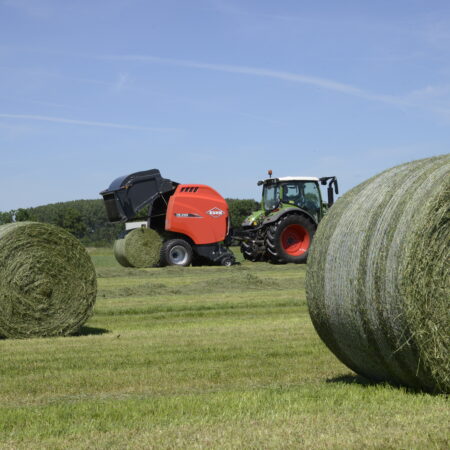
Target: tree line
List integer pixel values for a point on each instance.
(87, 220)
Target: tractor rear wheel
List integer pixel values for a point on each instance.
(176, 252)
(289, 239)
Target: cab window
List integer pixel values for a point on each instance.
(271, 197)
(304, 194)
(291, 193)
(312, 195)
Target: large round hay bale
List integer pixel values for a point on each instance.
(48, 284)
(378, 276)
(140, 247)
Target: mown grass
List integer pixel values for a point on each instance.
(202, 357)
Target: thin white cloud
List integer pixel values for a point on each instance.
(83, 122)
(431, 91)
(322, 83)
(121, 82)
(435, 98)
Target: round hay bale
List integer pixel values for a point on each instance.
(378, 276)
(119, 252)
(48, 283)
(140, 247)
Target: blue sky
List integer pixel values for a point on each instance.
(216, 92)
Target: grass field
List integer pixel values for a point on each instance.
(202, 357)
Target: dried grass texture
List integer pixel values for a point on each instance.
(48, 283)
(139, 248)
(378, 285)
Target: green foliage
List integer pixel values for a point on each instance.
(15, 215)
(22, 215)
(85, 219)
(6, 217)
(240, 209)
(71, 219)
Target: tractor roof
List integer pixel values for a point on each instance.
(270, 181)
(298, 179)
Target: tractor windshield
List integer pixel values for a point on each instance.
(271, 196)
(303, 194)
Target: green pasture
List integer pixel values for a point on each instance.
(202, 357)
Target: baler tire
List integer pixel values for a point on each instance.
(176, 252)
(227, 260)
(288, 240)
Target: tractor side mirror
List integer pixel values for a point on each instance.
(333, 184)
(259, 183)
(336, 187)
(330, 195)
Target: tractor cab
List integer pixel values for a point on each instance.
(291, 209)
(299, 192)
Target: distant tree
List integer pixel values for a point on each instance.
(21, 215)
(85, 219)
(6, 217)
(71, 220)
(239, 209)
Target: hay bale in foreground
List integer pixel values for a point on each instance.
(48, 283)
(140, 247)
(378, 276)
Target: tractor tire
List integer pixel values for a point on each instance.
(288, 240)
(249, 253)
(176, 252)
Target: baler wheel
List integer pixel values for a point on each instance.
(227, 261)
(176, 252)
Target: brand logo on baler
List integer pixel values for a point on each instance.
(215, 212)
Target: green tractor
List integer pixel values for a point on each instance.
(283, 229)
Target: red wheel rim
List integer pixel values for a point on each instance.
(295, 240)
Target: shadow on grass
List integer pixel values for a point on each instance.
(364, 382)
(354, 379)
(90, 331)
(83, 331)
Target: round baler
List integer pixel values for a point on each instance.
(190, 221)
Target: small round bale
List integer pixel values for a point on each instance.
(48, 283)
(119, 252)
(378, 284)
(140, 247)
